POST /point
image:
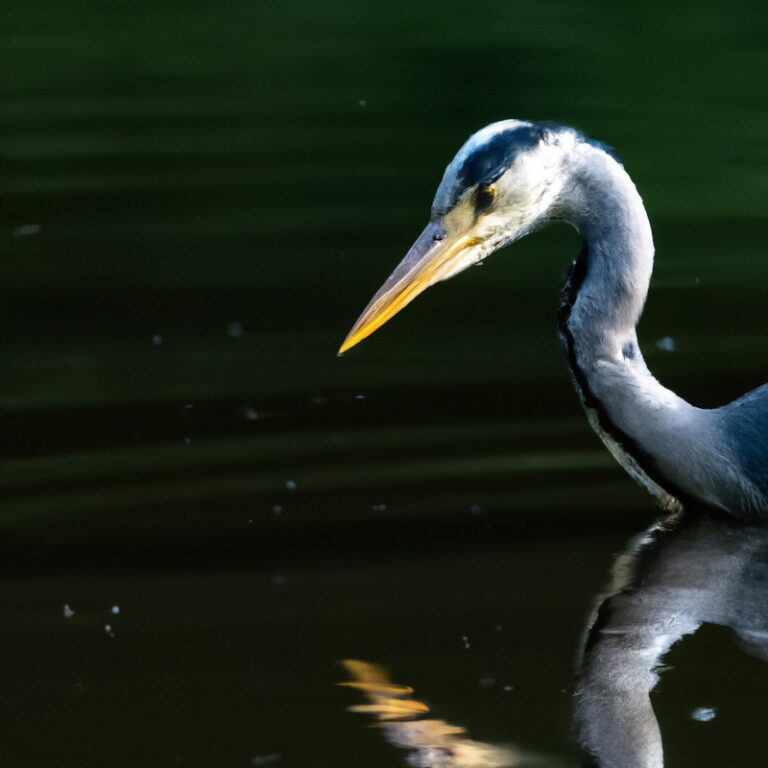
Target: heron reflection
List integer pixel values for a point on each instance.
(682, 573)
(430, 742)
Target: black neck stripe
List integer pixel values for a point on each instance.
(576, 276)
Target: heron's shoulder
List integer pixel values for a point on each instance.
(744, 424)
(748, 414)
(757, 397)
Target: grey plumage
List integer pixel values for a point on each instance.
(744, 425)
(509, 179)
(683, 454)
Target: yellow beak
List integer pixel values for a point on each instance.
(432, 258)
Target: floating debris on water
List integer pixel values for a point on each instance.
(704, 714)
(465, 642)
(359, 397)
(290, 485)
(248, 413)
(666, 343)
(157, 339)
(108, 630)
(507, 688)
(260, 760)
(67, 611)
(235, 330)
(25, 230)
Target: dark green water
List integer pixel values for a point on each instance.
(196, 201)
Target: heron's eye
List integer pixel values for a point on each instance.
(486, 194)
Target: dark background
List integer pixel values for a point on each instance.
(196, 201)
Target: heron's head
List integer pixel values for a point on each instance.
(503, 183)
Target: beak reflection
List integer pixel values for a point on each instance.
(430, 742)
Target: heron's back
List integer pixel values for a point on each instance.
(744, 426)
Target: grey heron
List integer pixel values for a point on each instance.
(507, 180)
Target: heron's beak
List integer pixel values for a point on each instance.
(435, 256)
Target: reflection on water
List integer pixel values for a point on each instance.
(681, 574)
(685, 571)
(431, 743)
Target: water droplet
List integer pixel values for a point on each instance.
(25, 230)
(261, 760)
(248, 413)
(115, 609)
(290, 485)
(157, 339)
(703, 714)
(666, 343)
(235, 330)
(67, 611)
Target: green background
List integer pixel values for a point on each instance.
(196, 201)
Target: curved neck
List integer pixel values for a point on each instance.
(678, 452)
(605, 207)
(601, 305)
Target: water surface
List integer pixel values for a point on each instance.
(196, 202)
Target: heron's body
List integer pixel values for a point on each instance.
(507, 180)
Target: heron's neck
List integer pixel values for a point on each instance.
(601, 305)
(607, 210)
(668, 445)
